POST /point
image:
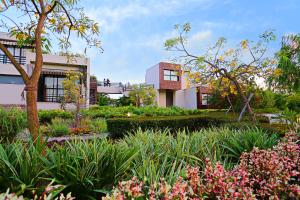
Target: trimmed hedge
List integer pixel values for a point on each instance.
(118, 127)
(45, 116)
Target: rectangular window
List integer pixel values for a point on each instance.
(171, 75)
(11, 79)
(205, 99)
(18, 53)
(54, 88)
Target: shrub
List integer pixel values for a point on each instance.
(12, 121)
(98, 126)
(115, 112)
(88, 168)
(293, 102)
(58, 127)
(45, 116)
(120, 126)
(261, 174)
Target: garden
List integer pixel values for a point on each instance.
(131, 148)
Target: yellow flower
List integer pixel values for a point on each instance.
(221, 58)
(244, 44)
(277, 72)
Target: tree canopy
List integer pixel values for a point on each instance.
(230, 70)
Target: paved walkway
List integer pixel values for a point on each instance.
(81, 137)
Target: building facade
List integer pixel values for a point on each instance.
(54, 70)
(170, 83)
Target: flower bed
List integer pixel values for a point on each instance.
(261, 174)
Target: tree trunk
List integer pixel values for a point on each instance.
(32, 113)
(245, 101)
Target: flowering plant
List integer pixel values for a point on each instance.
(261, 174)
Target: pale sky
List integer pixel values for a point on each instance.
(133, 31)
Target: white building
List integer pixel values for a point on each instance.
(172, 88)
(50, 87)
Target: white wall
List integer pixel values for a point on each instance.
(152, 76)
(8, 69)
(186, 98)
(53, 106)
(162, 98)
(11, 94)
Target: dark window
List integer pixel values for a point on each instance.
(205, 99)
(18, 53)
(171, 75)
(54, 90)
(11, 79)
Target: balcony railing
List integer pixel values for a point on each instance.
(5, 60)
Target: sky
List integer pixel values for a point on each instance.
(133, 32)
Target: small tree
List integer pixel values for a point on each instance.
(43, 20)
(142, 95)
(287, 74)
(74, 93)
(219, 67)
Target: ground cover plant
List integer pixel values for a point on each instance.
(90, 168)
(261, 174)
(12, 121)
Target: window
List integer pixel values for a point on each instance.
(171, 75)
(11, 79)
(54, 88)
(18, 53)
(205, 99)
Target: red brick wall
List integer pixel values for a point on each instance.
(168, 85)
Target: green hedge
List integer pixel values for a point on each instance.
(118, 127)
(45, 116)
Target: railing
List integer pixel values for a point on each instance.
(111, 84)
(20, 59)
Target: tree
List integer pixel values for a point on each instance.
(42, 21)
(221, 67)
(142, 95)
(286, 77)
(74, 93)
(103, 100)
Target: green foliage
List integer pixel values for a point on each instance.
(58, 127)
(111, 112)
(267, 99)
(287, 80)
(98, 126)
(124, 101)
(88, 168)
(293, 102)
(142, 95)
(45, 116)
(103, 100)
(119, 127)
(12, 121)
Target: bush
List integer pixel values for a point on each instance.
(88, 168)
(261, 174)
(118, 127)
(293, 102)
(58, 127)
(45, 116)
(115, 112)
(12, 121)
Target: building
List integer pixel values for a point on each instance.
(50, 88)
(172, 89)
